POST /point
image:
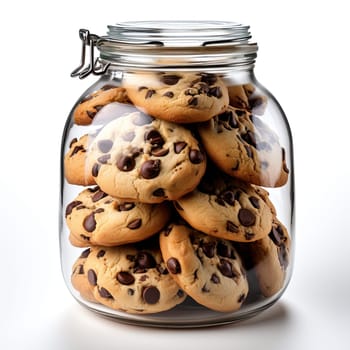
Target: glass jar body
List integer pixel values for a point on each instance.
(177, 197)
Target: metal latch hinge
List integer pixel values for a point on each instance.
(95, 66)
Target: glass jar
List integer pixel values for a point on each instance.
(177, 191)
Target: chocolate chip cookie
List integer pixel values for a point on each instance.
(246, 97)
(269, 258)
(139, 158)
(95, 218)
(243, 146)
(79, 277)
(207, 268)
(76, 168)
(227, 208)
(178, 97)
(132, 278)
(88, 107)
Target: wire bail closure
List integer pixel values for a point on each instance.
(95, 67)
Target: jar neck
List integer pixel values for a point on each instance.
(213, 46)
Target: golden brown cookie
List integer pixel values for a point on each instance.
(76, 168)
(87, 108)
(94, 218)
(178, 97)
(227, 208)
(79, 277)
(246, 97)
(268, 258)
(132, 278)
(206, 268)
(143, 159)
(244, 147)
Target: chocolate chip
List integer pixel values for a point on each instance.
(255, 202)
(126, 163)
(179, 146)
(77, 149)
(90, 114)
(224, 250)
(277, 236)
(167, 231)
(159, 192)
(149, 93)
(104, 159)
(169, 94)
(89, 223)
(145, 260)
(220, 201)
(150, 169)
(208, 78)
(81, 270)
(154, 137)
(104, 293)
(135, 224)
(241, 298)
(92, 277)
(85, 253)
(95, 169)
(196, 156)
(170, 79)
(125, 278)
(215, 278)
(203, 88)
(180, 293)
(74, 140)
(125, 206)
(250, 138)
(249, 236)
(85, 238)
(231, 227)
(142, 119)
(215, 91)
(71, 206)
(249, 151)
(193, 101)
(151, 295)
(107, 87)
(173, 266)
(99, 210)
(98, 196)
(225, 268)
(101, 253)
(105, 145)
(208, 249)
(205, 289)
(159, 152)
(142, 88)
(229, 197)
(283, 256)
(130, 291)
(246, 217)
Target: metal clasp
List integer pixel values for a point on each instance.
(95, 67)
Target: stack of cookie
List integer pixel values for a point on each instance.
(173, 204)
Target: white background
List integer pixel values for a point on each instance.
(303, 59)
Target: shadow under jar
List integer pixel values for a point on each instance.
(177, 189)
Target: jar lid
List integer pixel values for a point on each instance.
(169, 44)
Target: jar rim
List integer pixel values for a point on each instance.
(177, 44)
(176, 33)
